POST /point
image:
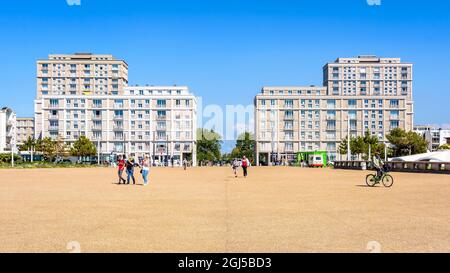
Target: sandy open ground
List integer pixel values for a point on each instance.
(208, 210)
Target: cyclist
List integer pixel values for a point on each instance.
(378, 164)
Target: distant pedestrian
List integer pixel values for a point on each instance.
(245, 164)
(185, 164)
(172, 162)
(145, 169)
(121, 168)
(235, 166)
(130, 164)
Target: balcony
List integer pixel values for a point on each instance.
(96, 117)
(118, 106)
(53, 128)
(118, 117)
(118, 127)
(289, 117)
(53, 117)
(331, 117)
(97, 106)
(96, 128)
(161, 117)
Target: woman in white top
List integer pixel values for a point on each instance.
(145, 169)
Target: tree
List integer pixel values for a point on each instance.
(245, 146)
(209, 145)
(445, 147)
(357, 145)
(60, 147)
(361, 145)
(83, 147)
(406, 143)
(28, 145)
(372, 143)
(48, 148)
(343, 146)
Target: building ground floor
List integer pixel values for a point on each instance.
(287, 158)
(170, 153)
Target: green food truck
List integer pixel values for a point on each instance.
(316, 159)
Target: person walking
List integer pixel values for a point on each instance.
(145, 169)
(235, 166)
(245, 164)
(130, 171)
(185, 164)
(121, 167)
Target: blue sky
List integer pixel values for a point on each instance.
(225, 51)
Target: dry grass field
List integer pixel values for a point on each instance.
(208, 210)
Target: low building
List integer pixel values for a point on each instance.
(435, 136)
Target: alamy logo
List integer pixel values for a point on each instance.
(374, 2)
(73, 2)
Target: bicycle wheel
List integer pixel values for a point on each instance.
(388, 181)
(371, 180)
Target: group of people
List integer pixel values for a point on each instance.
(244, 163)
(128, 166)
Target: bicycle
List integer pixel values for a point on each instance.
(385, 178)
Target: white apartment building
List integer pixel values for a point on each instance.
(156, 120)
(8, 129)
(359, 94)
(25, 130)
(435, 136)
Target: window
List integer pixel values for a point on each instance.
(331, 114)
(161, 103)
(394, 103)
(54, 102)
(288, 103)
(394, 114)
(331, 103)
(394, 124)
(331, 125)
(352, 103)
